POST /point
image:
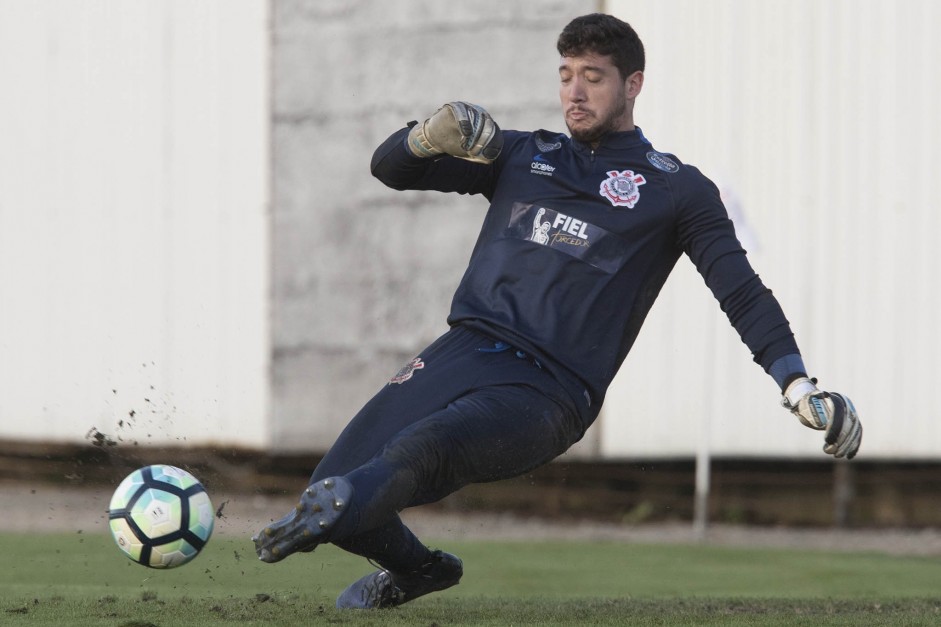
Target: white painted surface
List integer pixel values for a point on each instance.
(133, 222)
(822, 116)
(134, 177)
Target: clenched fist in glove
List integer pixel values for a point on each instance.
(459, 129)
(826, 411)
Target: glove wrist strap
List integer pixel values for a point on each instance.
(418, 143)
(798, 389)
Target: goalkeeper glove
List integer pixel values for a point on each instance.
(826, 411)
(459, 129)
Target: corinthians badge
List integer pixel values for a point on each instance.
(622, 188)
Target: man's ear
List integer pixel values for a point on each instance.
(634, 83)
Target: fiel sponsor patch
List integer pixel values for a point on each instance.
(567, 234)
(407, 371)
(622, 188)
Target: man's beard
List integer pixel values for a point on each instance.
(594, 133)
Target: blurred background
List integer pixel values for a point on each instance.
(196, 263)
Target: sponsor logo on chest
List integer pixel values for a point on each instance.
(568, 230)
(566, 234)
(541, 165)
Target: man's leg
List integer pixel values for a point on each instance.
(489, 434)
(446, 367)
(483, 442)
(471, 414)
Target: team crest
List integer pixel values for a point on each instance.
(407, 371)
(622, 188)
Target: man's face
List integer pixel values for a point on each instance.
(595, 99)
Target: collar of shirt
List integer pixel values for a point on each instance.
(614, 141)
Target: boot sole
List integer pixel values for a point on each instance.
(321, 505)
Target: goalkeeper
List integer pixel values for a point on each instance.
(581, 233)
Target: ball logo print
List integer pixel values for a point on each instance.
(161, 516)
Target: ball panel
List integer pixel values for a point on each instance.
(125, 539)
(126, 490)
(202, 516)
(172, 554)
(174, 476)
(157, 513)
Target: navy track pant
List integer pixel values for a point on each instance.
(468, 409)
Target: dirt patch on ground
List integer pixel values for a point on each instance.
(58, 508)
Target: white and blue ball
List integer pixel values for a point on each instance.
(161, 516)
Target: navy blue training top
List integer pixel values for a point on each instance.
(577, 244)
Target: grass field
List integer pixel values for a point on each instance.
(82, 579)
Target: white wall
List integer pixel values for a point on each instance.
(133, 224)
(823, 117)
(135, 264)
(363, 275)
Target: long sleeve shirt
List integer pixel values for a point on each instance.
(577, 243)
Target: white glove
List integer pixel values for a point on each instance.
(828, 411)
(459, 129)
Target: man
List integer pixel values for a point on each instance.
(580, 236)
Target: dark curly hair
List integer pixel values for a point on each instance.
(603, 35)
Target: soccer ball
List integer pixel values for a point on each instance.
(161, 516)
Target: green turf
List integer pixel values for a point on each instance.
(82, 579)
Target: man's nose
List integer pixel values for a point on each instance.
(576, 91)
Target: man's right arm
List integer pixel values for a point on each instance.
(451, 151)
(394, 165)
